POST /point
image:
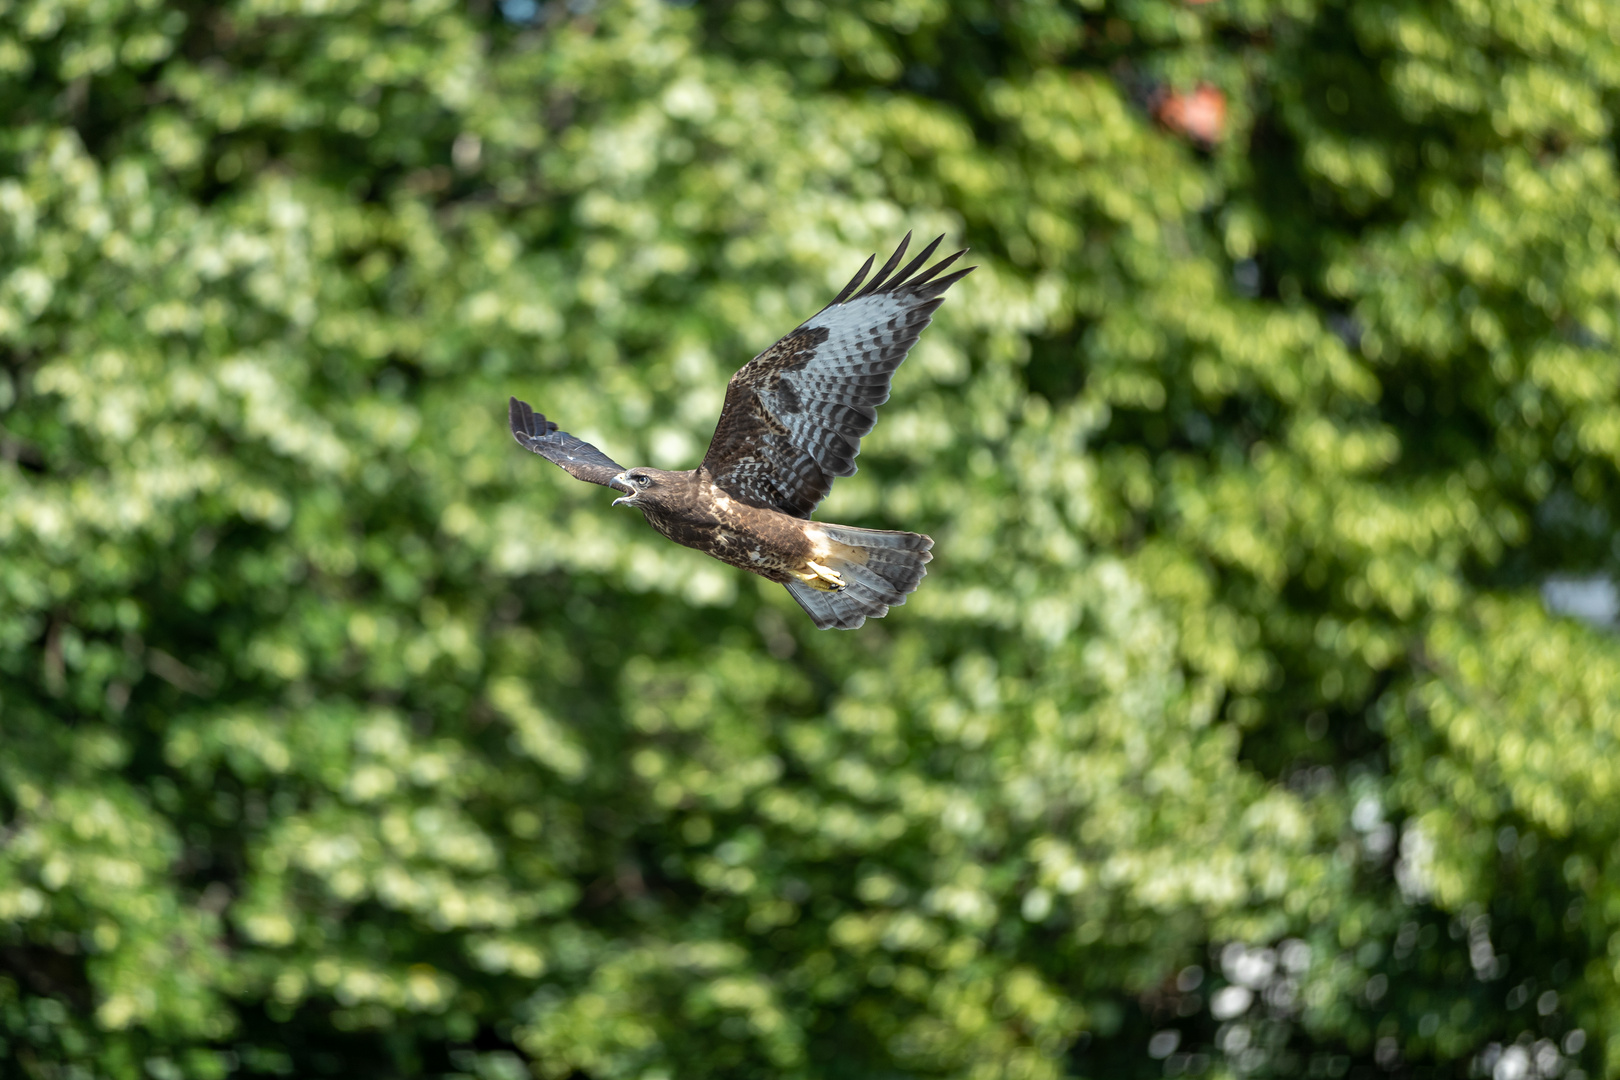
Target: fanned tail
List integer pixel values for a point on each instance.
(879, 569)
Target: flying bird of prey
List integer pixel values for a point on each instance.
(793, 420)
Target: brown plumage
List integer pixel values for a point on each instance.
(793, 421)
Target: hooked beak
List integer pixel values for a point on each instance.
(621, 484)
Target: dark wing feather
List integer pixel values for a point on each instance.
(582, 460)
(795, 415)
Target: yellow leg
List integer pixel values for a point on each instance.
(819, 577)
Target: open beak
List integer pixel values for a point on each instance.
(619, 483)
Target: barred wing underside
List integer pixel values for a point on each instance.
(795, 415)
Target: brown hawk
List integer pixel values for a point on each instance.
(793, 420)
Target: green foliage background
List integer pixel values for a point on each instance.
(1228, 736)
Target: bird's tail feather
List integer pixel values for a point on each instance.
(879, 569)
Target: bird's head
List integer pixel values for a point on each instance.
(641, 487)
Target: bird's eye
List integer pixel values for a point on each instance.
(641, 480)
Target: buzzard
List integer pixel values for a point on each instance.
(793, 420)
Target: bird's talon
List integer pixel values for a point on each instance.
(825, 579)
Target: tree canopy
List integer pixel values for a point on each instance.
(1230, 734)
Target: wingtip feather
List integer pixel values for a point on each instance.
(912, 278)
(903, 278)
(517, 414)
(522, 418)
(855, 282)
(937, 287)
(934, 271)
(880, 281)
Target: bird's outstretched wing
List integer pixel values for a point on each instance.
(582, 460)
(795, 414)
